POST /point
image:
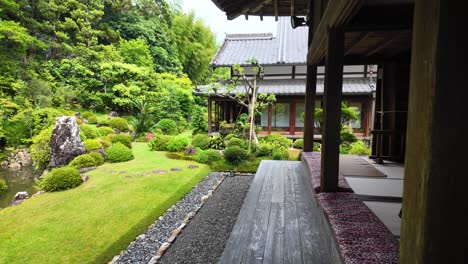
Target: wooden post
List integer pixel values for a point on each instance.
(309, 102)
(435, 204)
(209, 115)
(292, 118)
(332, 111)
(270, 117)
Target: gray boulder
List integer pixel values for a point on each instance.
(19, 198)
(65, 143)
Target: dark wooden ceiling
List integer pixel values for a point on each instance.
(276, 8)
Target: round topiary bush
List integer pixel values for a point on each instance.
(359, 148)
(89, 131)
(105, 141)
(98, 159)
(208, 156)
(104, 130)
(201, 141)
(235, 155)
(167, 126)
(125, 139)
(118, 152)
(178, 144)
(3, 185)
(119, 124)
(299, 143)
(264, 150)
(237, 142)
(61, 179)
(90, 117)
(277, 141)
(229, 136)
(82, 161)
(159, 143)
(92, 144)
(280, 154)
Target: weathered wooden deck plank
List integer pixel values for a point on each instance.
(292, 241)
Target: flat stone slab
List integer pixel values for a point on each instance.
(159, 171)
(191, 166)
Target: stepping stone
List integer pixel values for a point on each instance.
(176, 169)
(128, 177)
(191, 166)
(122, 172)
(159, 171)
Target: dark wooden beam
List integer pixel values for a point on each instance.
(210, 105)
(276, 9)
(270, 117)
(246, 7)
(361, 37)
(383, 44)
(332, 111)
(292, 8)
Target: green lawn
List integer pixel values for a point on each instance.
(94, 222)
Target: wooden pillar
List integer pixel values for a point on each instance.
(292, 118)
(435, 204)
(270, 117)
(209, 115)
(332, 110)
(309, 101)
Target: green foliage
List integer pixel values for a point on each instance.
(105, 141)
(43, 118)
(159, 143)
(118, 152)
(359, 148)
(229, 136)
(264, 150)
(277, 141)
(299, 143)
(98, 159)
(178, 144)
(168, 126)
(105, 131)
(92, 144)
(125, 139)
(40, 149)
(90, 116)
(217, 142)
(199, 121)
(317, 147)
(235, 155)
(136, 51)
(61, 179)
(89, 131)
(201, 141)
(208, 156)
(3, 185)
(237, 142)
(83, 161)
(346, 136)
(119, 123)
(280, 154)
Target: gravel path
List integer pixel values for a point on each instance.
(204, 238)
(145, 246)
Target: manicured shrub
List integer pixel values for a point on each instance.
(264, 150)
(299, 143)
(98, 159)
(119, 123)
(346, 135)
(103, 122)
(118, 152)
(89, 131)
(125, 139)
(82, 161)
(3, 185)
(201, 141)
(235, 155)
(178, 144)
(345, 148)
(208, 156)
(277, 141)
(92, 144)
(90, 117)
(40, 149)
(217, 142)
(317, 147)
(105, 130)
(61, 179)
(149, 137)
(105, 141)
(167, 126)
(229, 136)
(359, 148)
(159, 143)
(280, 154)
(237, 142)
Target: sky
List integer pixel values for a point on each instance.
(216, 19)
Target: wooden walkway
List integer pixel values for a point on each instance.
(279, 221)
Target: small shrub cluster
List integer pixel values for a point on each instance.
(105, 141)
(359, 148)
(346, 135)
(235, 155)
(264, 150)
(149, 137)
(167, 126)
(159, 143)
(40, 149)
(125, 139)
(208, 156)
(61, 179)
(280, 154)
(118, 152)
(92, 144)
(89, 131)
(229, 136)
(277, 141)
(178, 144)
(237, 142)
(3, 185)
(217, 142)
(299, 143)
(98, 159)
(119, 123)
(90, 117)
(105, 130)
(201, 141)
(83, 161)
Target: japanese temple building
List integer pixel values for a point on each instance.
(421, 55)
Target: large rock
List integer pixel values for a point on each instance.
(65, 143)
(19, 198)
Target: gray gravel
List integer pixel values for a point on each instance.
(146, 245)
(204, 238)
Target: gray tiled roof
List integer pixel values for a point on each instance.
(288, 47)
(351, 86)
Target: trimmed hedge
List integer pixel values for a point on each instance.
(98, 159)
(89, 131)
(280, 154)
(90, 117)
(61, 179)
(118, 152)
(159, 143)
(208, 156)
(105, 130)
(299, 143)
(277, 141)
(125, 139)
(178, 144)
(167, 126)
(92, 144)
(83, 161)
(235, 155)
(264, 150)
(119, 124)
(105, 141)
(237, 142)
(201, 141)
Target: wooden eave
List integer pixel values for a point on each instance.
(276, 8)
